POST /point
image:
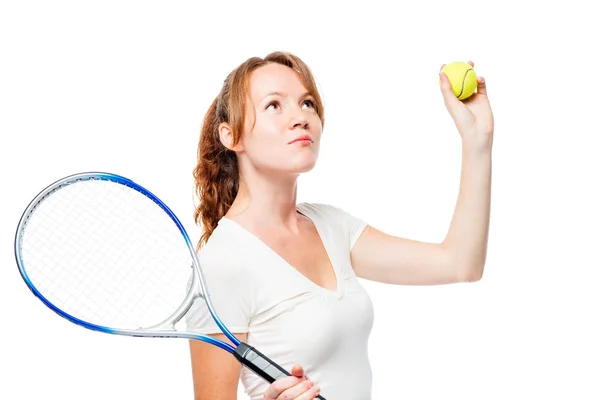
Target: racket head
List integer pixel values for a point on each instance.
(69, 248)
(107, 254)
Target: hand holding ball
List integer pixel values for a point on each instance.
(462, 77)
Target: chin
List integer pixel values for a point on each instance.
(304, 165)
(307, 168)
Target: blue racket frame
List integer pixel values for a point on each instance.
(165, 328)
(246, 354)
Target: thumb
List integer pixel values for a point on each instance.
(450, 99)
(298, 371)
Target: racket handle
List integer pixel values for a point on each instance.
(260, 364)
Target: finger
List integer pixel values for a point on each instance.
(481, 85)
(278, 387)
(310, 394)
(471, 63)
(300, 391)
(450, 99)
(442, 67)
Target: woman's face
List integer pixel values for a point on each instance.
(282, 129)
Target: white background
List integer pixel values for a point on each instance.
(122, 86)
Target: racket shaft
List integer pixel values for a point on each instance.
(260, 364)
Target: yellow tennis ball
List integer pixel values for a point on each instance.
(463, 79)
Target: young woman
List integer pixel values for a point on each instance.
(282, 275)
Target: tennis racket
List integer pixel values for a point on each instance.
(106, 254)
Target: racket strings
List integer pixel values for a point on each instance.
(107, 254)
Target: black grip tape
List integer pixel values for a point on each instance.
(260, 364)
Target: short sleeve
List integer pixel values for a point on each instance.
(353, 226)
(350, 225)
(228, 290)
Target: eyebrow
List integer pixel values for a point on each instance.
(306, 94)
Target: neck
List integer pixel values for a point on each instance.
(265, 201)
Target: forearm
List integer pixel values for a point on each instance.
(468, 233)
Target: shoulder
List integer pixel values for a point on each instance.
(327, 212)
(334, 220)
(219, 255)
(321, 209)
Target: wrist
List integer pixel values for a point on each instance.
(478, 147)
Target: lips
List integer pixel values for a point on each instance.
(300, 138)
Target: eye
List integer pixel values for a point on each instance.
(274, 104)
(309, 103)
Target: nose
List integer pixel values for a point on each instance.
(303, 124)
(299, 119)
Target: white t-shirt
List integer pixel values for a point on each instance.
(289, 318)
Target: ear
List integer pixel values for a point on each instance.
(226, 137)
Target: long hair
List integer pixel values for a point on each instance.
(216, 174)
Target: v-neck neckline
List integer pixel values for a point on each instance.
(339, 290)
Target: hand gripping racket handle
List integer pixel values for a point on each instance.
(260, 364)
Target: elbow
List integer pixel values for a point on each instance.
(474, 276)
(470, 272)
(466, 267)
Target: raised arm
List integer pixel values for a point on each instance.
(461, 256)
